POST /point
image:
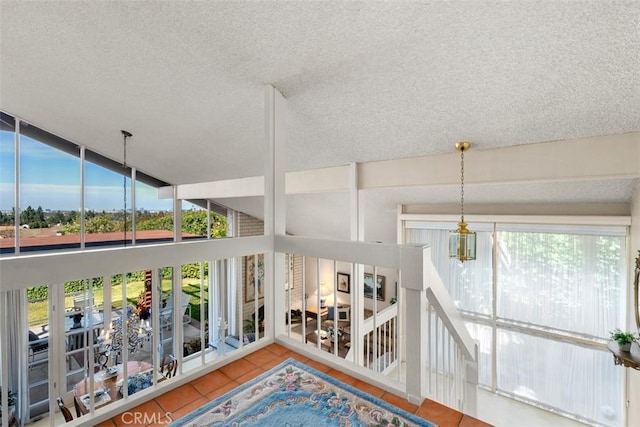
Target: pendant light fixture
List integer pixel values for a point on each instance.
(462, 242)
(125, 135)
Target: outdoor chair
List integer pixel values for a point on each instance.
(166, 314)
(169, 366)
(37, 345)
(83, 302)
(76, 405)
(65, 411)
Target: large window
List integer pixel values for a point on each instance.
(154, 216)
(7, 183)
(49, 191)
(104, 202)
(558, 292)
(55, 188)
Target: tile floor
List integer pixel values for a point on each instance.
(184, 399)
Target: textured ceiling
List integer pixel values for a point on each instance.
(364, 80)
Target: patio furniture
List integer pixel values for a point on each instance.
(37, 345)
(65, 411)
(169, 366)
(166, 314)
(110, 393)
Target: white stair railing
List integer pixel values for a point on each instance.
(380, 337)
(452, 355)
(422, 335)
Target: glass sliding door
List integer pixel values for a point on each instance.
(38, 349)
(195, 312)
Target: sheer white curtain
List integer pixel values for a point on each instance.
(553, 284)
(469, 283)
(563, 281)
(13, 307)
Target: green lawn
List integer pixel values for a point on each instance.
(38, 310)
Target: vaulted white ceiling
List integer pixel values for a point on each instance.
(364, 81)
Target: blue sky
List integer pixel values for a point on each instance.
(51, 179)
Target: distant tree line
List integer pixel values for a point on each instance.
(193, 221)
(38, 218)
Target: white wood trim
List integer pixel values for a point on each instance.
(23, 271)
(522, 219)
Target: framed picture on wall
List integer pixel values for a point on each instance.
(368, 286)
(343, 283)
(253, 277)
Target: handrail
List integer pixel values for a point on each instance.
(21, 272)
(382, 317)
(449, 314)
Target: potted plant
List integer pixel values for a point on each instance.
(624, 339)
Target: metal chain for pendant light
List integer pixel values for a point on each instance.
(462, 185)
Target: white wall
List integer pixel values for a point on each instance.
(328, 276)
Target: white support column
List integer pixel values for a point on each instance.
(208, 219)
(413, 264)
(354, 202)
(177, 216)
(83, 183)
(178, 331)
(400, 299)
(275, 208)
(357, 294)
(156, 306)
(470, 400)
(16, 186)
(134, 172)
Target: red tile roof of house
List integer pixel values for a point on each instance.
(70, 239)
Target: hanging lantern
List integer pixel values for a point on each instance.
(462, 242)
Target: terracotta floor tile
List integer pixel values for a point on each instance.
(162, 423)
(238, 368)
(178, 397)
(368, 388)
(341, 376)
(142, 415)
(468, 421)
(318, 366)
(277, 348)
(273, 363)
(210, 382)
(187, 409)
(107, 423)
(400, 402)
(261, 356)
(185, 399)
(297, 356)
(222, 390)
(250, 375)
(439, 414)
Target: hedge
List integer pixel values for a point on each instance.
(189, 271)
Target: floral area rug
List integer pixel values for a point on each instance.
(293, 394)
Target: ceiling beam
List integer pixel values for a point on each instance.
(602, 157)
